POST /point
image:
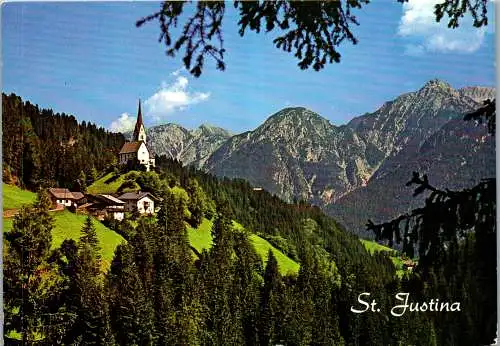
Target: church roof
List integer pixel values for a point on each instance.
(139, 122)
(130, 147)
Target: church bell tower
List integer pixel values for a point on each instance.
(139, 131)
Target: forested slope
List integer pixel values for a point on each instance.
(40, 146)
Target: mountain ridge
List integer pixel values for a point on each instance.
(298, 154)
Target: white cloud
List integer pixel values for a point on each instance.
(172, 97)
(177, 72)
(419, 22)
(123, 124)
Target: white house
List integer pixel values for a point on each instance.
(137, 150)
(143, 202)
(64, 197)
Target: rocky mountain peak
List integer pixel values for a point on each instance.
(437, 84)
(436, 87)
(296, 153)
(294, 115)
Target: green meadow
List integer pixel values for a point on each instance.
(372, 247)
(14, 197)
(201, 238)
(68, 225)
(108, 184)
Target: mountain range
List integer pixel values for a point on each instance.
(355, 171)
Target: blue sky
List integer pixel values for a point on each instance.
(89, 60)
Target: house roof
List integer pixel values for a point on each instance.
(61, 193)
(77, 195)
(135, 196)
(130, 147)
(86, 205)
(112, 199)
(105, 199)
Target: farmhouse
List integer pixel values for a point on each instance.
(408, 264)
(103, 205)
(65, 197)
(136, 150)
(143, 202)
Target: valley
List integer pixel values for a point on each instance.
(240, 214)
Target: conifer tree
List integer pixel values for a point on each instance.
(269, 307)
(131, 312)
(82, 180)
(196, 203)
(142, 246)
(29, 280)
(32, 282)
(222, 319)
(175, 301)
(88, 300)
(246, 286)
(89, 237)
(303, 312)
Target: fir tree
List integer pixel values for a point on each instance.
(246, 286)
(29, 280)
(269, 309)
(131, 313)
(88, 301)
(82, 180)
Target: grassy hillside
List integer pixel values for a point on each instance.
(201, 238)
(372, 247)
(285, 264)
(14, 197)
(68, 226)
(108, 184)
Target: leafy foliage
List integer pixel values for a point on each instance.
(455, 10)
(311, 30)
(486, 113)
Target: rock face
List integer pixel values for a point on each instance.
(192, 147)
(478, 94)
(298, 154)
(355, 171)
(425, 132)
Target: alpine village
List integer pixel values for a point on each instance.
(377, 231)
(113, 246)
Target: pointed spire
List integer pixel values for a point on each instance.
(139, 123)
(139, 113)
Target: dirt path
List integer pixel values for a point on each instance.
(12, 212)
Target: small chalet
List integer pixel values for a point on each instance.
(104, 205)
(408, 264)
(143, 202)
(136, 150)
(65, 197)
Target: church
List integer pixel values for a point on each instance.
(137, 150)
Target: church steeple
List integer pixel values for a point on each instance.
(139, 131)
